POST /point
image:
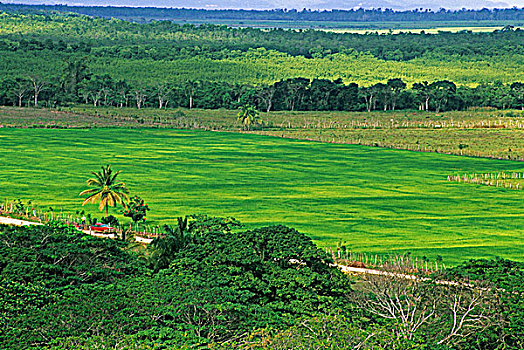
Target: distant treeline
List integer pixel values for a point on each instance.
(77, 85)
(359, 15)
(165, 40)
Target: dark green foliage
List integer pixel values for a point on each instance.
(38, 264)
(60, 289)
(165, 308)
(274, 266)
(164, 248)
(200, 224)
(110, 220)
(58, 256)
(220, 285)
(294, 94)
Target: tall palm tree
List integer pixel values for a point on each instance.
(106, 190)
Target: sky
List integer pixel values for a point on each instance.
(290, 4)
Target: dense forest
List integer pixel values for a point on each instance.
(209, 284)
(358, 15)
(62, 59)
(167, 40)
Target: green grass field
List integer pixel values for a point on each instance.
(481, 132)
(377, 200)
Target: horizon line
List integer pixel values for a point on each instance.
(212, 8)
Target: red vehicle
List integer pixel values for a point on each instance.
(99, 227)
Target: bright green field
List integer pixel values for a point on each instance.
(377, 200)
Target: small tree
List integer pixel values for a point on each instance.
(136, 210)
(164, 249)
(38, 85)
(248, 116)
(21, 88)
(266, 96)
(395, 86)
(110, 220)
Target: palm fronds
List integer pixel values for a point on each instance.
(106, 190)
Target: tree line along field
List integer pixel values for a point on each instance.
(371, 199)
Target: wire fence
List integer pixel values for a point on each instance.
(388, 261)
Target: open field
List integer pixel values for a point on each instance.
(225, 119)
(430, 30)
(490, 143)
(479, 133)
(374, 199)
(363, 27)
(45, 118)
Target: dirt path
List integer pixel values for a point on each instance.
(361, 270)
(9, 221)
(16, 222)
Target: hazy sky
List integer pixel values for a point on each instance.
(289, 4)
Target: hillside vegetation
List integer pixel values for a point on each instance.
(268, 287)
